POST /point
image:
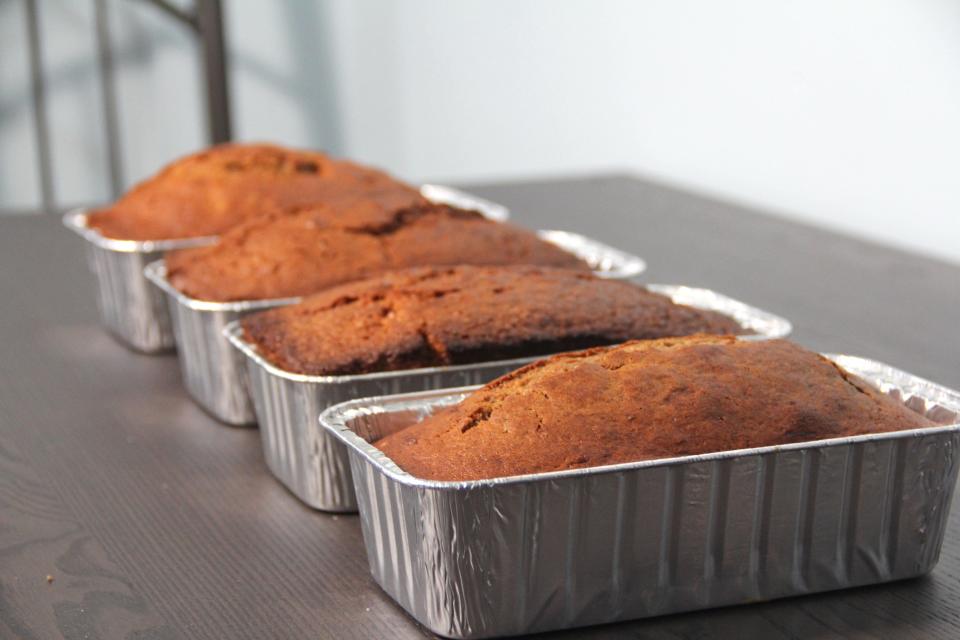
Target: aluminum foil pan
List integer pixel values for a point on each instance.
(463, 200)
(136, 312)
(589, 546)
(214, 373)
(606, 261)
(130, 308)
(314, 466)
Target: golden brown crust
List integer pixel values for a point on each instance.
(302, 252)
(642, 401)
(458, 315)
(206, 193)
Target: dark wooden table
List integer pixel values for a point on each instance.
(154, 521)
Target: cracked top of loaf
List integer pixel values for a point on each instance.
(643, 401)
(206, 193)
(301, 252)
(458, 315)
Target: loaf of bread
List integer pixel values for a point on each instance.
(643, 401)
(458, 315)
(206, 193)
(302, 252)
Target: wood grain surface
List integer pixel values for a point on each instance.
(154, 521)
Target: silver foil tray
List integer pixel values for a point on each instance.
(589, 546)
(463, 200)
(314, 466)
(130, 308)
(606, 261)
(214, 374)
(136, 313)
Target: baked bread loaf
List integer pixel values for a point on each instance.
(642, 401)
(206, 193)
(458, 315)
(302, 252)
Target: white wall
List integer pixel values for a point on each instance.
(845, 113)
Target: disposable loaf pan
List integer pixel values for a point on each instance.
(314, 466)
(589, 546)
(214, 373)
(136, 312)
(130, 308)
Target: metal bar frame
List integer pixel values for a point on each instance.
(205, 21)
(40, 123)
(174, 12)
(109, 96)
(213, 43)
